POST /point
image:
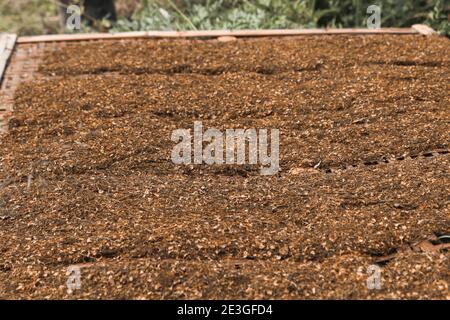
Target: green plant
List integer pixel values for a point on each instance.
(439, 18)
(269, 14)
(219, 14)
(41, 16)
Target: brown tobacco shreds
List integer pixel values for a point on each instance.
(87, 177)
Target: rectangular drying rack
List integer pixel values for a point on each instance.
(20, 56)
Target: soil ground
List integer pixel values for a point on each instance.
(87, 177)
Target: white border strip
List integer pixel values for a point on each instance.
(7, 42)
(424, 29)
(211, 34)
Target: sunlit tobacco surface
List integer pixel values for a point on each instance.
(364, 122)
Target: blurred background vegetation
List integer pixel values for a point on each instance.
(30, 17)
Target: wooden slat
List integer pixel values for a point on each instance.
(281, 32)
(81, 37)
(7, 42)
(424, 29)
(211, 34)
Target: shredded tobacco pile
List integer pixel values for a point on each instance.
(88, 180)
